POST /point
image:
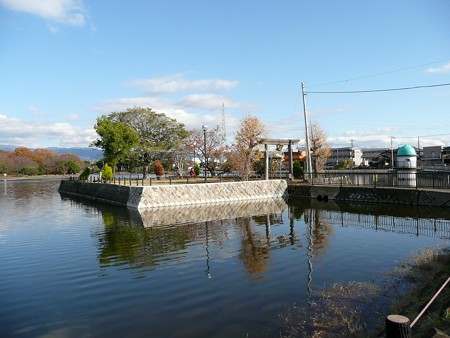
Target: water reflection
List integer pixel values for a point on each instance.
(145, 239)
(211, 212)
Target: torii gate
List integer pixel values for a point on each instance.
(278, 143)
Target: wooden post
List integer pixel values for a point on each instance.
(398, 326)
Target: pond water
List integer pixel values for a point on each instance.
(74, 268)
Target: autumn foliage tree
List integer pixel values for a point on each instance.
(244, 154)
(320, 149)
(38, 162)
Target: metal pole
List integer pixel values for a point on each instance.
(291, 164)
(205, 127)
(266, 164)
(308, 153)
(392, 153)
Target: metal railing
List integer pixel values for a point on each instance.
(426, 179)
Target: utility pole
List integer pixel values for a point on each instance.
(308, 152)
(392, 153)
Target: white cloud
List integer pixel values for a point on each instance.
(38, 134)
(439, 70)
(207, 101)
(70, 12)
(177, 83)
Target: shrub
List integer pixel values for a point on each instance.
(85, 174)
(197, 170)
(158, 168)
(107, 173)
(298, 169)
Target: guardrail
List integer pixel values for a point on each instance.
(436, 179)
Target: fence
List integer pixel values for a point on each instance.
(421, 179)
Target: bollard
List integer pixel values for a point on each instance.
(398, 326)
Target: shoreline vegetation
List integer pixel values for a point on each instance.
(422, 277)
(359, 309)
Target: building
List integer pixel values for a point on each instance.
(352, 155)
(446, 156)
(406, 166)
(377, 157)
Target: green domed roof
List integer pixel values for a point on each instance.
(406, 150)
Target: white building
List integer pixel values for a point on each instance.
(349, 154)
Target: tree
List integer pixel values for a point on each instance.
(319, 147)
(157, 133)
(72, 167)
(215, 146)
(85, 174)
(116, 139)
(179, 158)
(107, 173)
(244, 154)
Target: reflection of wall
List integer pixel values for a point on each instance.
(211, 212)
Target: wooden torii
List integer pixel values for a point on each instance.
(279, 143)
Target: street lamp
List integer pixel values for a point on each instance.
(205, 128)
(195, 145)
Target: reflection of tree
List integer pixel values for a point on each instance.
(322, 232)
(254, 254)
(122, 243)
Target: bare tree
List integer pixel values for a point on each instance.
(214, 145)
(244, 154)
(319, 146)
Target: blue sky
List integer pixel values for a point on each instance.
(63, 63)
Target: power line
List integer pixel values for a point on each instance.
(378, 90)
(379, 74)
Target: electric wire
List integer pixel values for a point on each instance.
(377, 90)
(378, 74)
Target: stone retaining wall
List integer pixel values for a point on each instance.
(176, 195)
(216, 193)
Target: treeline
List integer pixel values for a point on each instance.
(23, 161)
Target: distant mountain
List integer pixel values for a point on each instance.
(86, 154)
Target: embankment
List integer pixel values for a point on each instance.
(400, 196)
(142, 197)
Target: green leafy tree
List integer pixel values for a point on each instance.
(107, 173)
(72, 167)
(158, 133)
(116, 139)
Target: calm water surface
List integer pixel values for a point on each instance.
(74, 268)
